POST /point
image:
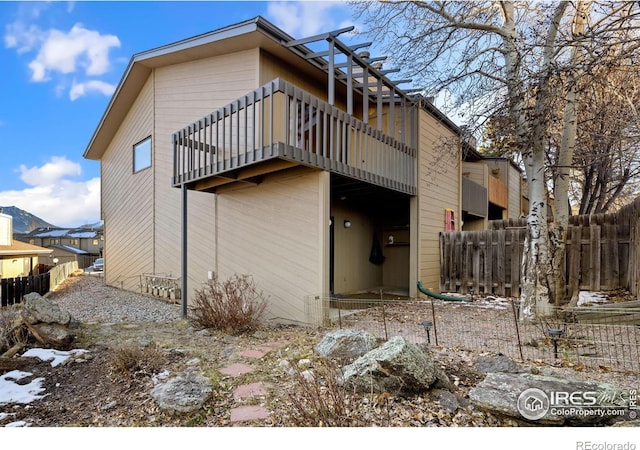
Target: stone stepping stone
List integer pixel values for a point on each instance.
(249, 390)
(252, 354)
(246, 413)
(236, 370)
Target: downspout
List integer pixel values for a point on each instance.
(184, 255)
(446, 298)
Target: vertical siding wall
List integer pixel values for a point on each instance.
(127, 207)
(184, 93)
(438, 188)
(270, 231)
(352, 270)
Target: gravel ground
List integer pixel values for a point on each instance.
(89, 299)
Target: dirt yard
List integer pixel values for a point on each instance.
(105, 388)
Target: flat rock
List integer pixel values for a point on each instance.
(185, 393)
(543, 399)
(496, 363)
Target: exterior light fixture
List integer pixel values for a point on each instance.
(517, 304)
(555, 334)
(427, 324)
(347, 223)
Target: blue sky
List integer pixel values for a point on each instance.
(61, 61)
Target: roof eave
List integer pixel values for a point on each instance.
(141, 65)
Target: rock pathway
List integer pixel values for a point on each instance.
(246, 392)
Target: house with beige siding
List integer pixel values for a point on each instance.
(18, 259)
(296, 161)
(493, 188)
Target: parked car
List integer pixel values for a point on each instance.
(98, 265)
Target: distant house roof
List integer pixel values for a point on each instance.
(18, 248)
(71, 233)
(71, 249)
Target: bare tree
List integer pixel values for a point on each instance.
(505, 58)
(607, 159)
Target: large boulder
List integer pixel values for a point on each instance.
(397, 366)
(547, 400)
(346, 344)
(52, 334)
(37, 309)
(185, 393)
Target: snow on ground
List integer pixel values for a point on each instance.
(13, 392)
(56, 357)
(586, 297)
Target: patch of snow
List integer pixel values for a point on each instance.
(12, 392)
(56, 357)
(161, 376)
(585, 297)
(5, 415)
(19, 423)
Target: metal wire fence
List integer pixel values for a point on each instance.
(584, 336)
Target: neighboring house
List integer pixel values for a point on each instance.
(492, 189)
(297, 166)
(83, 244)
(18, 259)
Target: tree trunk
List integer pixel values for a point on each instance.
(558, 231)
(535, 293)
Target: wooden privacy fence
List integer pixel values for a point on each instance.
(602, 254)
(13, 289)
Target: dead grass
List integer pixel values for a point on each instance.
(133, 360)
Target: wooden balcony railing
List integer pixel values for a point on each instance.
(474, 198)
(498, 193)
(279, 121)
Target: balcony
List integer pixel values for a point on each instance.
(498, 194)
(474, 198)
(279, 126)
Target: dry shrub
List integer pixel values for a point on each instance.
(132, 359)
(234, 305)
(323, 401)
(13, 333)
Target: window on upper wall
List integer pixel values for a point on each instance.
(142, 155)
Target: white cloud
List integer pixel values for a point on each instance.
(54, 196)
(64, 52)
(307, 18)
(49, 173)
(60, 53)
(22, 37)
(81, 89)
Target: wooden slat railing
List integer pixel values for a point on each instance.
(280, 120)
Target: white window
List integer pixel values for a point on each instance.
(142, 155)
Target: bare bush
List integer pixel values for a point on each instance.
(132, 359)
(234, 305)
(13, 334)
(323, 400)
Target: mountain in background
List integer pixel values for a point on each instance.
(23, 221)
